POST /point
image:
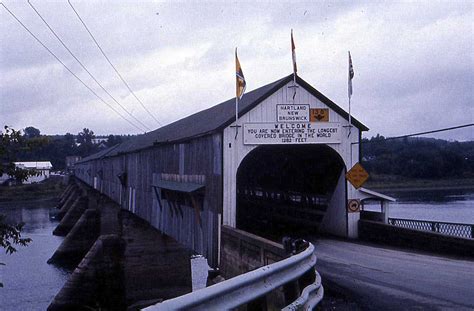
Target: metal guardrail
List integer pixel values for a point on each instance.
(310, 296)
(447, 228)
(247, 287)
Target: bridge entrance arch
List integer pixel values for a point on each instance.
(290, 190)
(293, 120)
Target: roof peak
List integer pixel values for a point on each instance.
(216, 118)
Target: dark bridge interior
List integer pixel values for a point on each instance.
(285, 190)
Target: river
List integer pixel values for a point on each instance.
(29, 282)
(453, 205)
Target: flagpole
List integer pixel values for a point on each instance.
(350, 124)
(295, 70)
(349, 91)
(236, 95)
(236, 108)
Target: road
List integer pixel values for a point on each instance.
(390, 279)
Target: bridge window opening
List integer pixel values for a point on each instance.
(183, 198)
(286, 190)
(179, 196)
(175, 197)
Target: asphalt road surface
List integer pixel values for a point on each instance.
(379, 278)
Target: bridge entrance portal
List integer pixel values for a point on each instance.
(288, 190)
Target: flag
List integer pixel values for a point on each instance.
(351, 75)
(239, 78)
(293, 54)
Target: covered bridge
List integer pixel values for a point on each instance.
(281, 166)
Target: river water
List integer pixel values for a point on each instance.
(30, 283)
(453, 205)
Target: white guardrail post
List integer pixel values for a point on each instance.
(247, 287)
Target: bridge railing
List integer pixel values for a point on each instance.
(447, 228)
(248, 287)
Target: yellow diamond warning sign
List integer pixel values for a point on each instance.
(357, 175)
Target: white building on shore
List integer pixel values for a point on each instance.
(43, 169)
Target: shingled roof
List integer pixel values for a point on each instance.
(215, 119)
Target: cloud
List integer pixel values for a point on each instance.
(412, 61)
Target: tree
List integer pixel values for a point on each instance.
(31, 132)
(69, 140)
(11, 235)
(85, 137)
(113, 140)
(10, 143)
(412, 157)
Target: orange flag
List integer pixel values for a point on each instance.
(239, 78)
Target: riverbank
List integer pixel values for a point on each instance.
(398, 183)
(48, 189)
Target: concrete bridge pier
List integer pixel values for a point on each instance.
(123, 260)
(85, 200)
(97, 283)
(66, 207)
(98, 280)
(65, 194)
(68, 201)
(155, 265)
(79, 240)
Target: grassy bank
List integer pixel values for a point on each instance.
(394, 182)
(49, 188)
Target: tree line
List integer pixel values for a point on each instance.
(410, 157)
(425, 158)
(56, 148)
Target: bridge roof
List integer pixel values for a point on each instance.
(215, 119)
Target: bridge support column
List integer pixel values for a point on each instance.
(155, 265)
(97, 283)
(79, 240)
(69, 201)
(66, 207)
(71, 217)
(65, 194)
(130, 263)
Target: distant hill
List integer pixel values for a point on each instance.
(425, 158)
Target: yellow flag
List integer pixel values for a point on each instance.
(239, 78)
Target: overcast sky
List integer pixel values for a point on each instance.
(413, 62)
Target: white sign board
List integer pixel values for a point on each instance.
(291, 133)
(292, 113)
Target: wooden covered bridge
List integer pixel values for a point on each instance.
(280, 167)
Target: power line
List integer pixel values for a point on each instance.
(67, 68)
(110, 63)
(416, 134)
(84, 67)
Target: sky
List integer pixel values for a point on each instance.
(413, 61)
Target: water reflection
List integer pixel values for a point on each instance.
(434, 196)
(442, 205)
(29, 282)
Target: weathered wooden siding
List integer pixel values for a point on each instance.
(198, 157)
